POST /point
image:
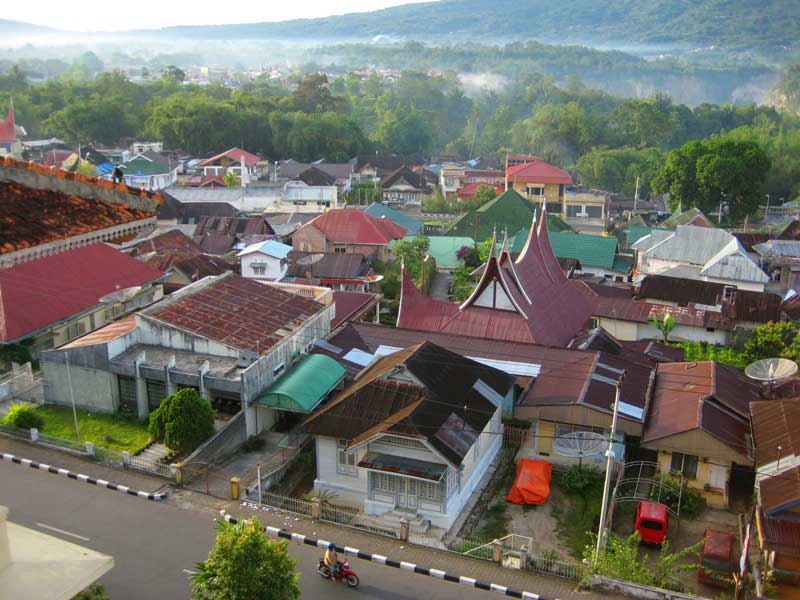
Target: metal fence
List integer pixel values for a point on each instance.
(98, 454)
(471, 547)
(547, 564)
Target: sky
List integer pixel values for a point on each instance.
(101, 15)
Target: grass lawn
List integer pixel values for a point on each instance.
(107, 431)
(579, 516)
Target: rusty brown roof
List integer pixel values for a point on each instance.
(31, 216)
(238, 312)
(704, 395)
(780, 535)
(780, 492)
(775, 423)
(446, 409)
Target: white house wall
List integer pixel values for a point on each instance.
(275, 269)
(630, 331)
(349, 489)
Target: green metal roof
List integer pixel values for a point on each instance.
(378, 210)
(590, 250)
(509, 211)
(144, 167)
(443, 248)
(305, 385)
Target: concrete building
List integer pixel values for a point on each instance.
(226, 336)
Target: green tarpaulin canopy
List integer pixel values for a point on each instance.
(305, 385)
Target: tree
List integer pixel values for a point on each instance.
(772, 340)
(246, 565)
(484, 194)
(405, 131)
(665, 326)
(705, 173)
(412, 252)
(173, 73)
(231, 179)
(313, 95)
(182, 421)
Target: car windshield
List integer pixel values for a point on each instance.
(716, 564)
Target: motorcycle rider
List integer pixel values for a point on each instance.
(332, 560)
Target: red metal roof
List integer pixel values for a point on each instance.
(238, 312)
(780, 492)
(8, 127)
(468, 191)
(537, 171)
(350, 305)
(543, 305)
(234, 154)
(779, 534)
(47, 290)
(348, 226)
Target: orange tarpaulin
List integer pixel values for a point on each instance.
(532, 483)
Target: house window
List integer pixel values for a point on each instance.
(685, 464)
(340, 250)
(345, 461)
(259, 270)
(430, 490)
(278, 370)
(75, 329)
(729, 293)
(535, 190)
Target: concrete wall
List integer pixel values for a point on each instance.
(94, 389)
(153, 333)
(629, 331)
(275, 267)
(714, 476)
(84, 187)
(223, 443)
(350, 489)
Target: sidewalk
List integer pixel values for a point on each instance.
(549, 587)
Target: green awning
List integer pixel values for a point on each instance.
(305, 385)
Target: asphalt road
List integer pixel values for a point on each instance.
(153, 543)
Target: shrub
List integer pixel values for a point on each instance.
(182, 421)
(254, 443)
(691, 502)
(23, 416)
(578, 478)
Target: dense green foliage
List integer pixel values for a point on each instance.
(608, 142)
(774, 340)
(23, 416)
(622, 560)
(688, 502)
(704, 174)
(699, 351)
(183, 420)
(578, 478)
(245, 564)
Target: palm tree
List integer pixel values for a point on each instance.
(665, 326)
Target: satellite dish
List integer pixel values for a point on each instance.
(577, 444)
(770, 370)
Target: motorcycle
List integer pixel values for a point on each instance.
(346, 575)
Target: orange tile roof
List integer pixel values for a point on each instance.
(31, 216)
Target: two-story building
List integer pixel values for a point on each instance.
(237, 161)
(403, 187)
(228, 337)
(540, 183)
(348, 231)
(264, 260)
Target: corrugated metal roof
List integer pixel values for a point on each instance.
(381, 211)
(305, 385)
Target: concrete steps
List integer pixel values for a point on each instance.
(154, 452)
(391, 520)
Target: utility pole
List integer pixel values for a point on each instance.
(766, 212)
(72, 395)
(609, 459)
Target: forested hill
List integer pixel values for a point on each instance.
(768, 27)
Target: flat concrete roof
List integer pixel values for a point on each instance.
(221, 367)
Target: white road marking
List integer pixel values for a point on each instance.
(61, 531)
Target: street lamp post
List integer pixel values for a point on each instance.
(72, 396)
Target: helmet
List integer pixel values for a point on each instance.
(331, 546)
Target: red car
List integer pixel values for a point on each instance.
(716, 559)
(652, 522)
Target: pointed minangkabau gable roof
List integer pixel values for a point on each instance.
(548, 256)
(493, 290)
(8, 126)
(529, 263)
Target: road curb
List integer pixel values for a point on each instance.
(81, 477)
(397, 564)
